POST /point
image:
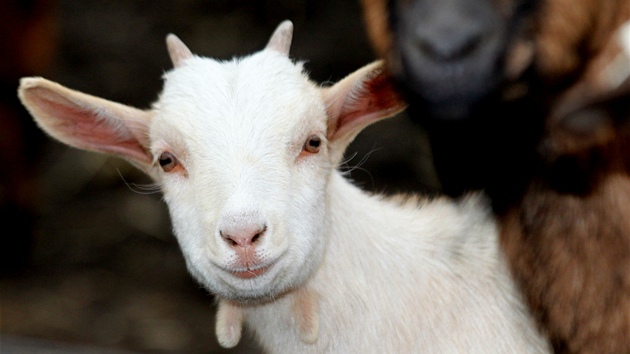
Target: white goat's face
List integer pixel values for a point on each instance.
(245, 166)
(243, 151)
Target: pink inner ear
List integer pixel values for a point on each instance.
(376, 98)
(83, 128)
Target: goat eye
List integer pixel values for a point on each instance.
(168, 161)
(312, 144)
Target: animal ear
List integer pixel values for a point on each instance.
(360, 99)
(597, 109)
(280, 40)
(581, 121)
(177, 50)
(88, 122)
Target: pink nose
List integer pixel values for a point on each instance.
(243, 235)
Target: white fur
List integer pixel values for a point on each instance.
(347, 272)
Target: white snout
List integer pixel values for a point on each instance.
(243, 234)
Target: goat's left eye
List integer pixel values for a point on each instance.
(168, 161)
(313, 144)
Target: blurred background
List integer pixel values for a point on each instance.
(88, 260)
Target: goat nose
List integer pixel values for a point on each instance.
(449, 44)
(243, 235)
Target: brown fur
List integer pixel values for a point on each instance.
(376, 18)
(568, 239)
(570, 249)
(570, 254)
(571, 32)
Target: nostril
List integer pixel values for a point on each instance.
(259, 235)
(228, 239)
(243, 236)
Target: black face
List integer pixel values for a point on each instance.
(450, 53)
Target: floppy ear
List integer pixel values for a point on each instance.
(87, 122)
(360, 99)
(596, 110)
(585, 118)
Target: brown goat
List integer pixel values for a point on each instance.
(569, 236)
(565, 224)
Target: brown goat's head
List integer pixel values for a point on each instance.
(450, 54)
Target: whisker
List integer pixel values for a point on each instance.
(362, 161)
(144, 189)
(347, 169)
(345, 162)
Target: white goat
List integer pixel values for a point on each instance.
(246, 153)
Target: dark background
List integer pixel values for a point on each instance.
(89, 263)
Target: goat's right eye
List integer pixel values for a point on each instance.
(168, 161)
(312, 144)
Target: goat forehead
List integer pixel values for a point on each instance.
(265, 89)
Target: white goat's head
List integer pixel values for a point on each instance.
(242, 150)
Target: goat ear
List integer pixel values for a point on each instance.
(597, 109)
(280, 40)
(177, 50)
(581, 121)
(88, 122)
(360, 99)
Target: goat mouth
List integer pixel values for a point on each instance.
(250, 273)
